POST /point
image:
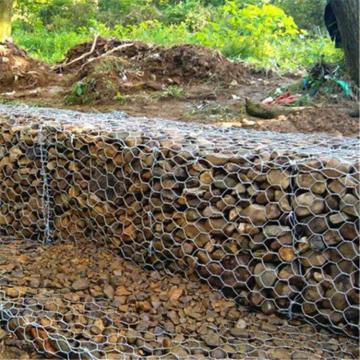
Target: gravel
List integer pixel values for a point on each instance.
(148, 313)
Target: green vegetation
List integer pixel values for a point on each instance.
(256, 31)
(172, 91)
(80, 93)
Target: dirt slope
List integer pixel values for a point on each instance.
(19, 71)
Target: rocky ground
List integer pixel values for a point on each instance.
(76, 299)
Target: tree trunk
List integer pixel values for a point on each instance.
(6, 7)
(347, 16)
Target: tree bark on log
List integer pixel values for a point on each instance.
(347, 16)
(6, 7)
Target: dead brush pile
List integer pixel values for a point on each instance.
(109, 66)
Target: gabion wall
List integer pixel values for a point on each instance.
(269, 219)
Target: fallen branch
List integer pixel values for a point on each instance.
(120, 47)
(63, 65)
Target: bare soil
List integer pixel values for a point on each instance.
(20, 72)
(185, 82)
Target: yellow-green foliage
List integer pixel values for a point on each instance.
(250, 32)
(263, 35)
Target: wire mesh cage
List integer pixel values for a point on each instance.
(220, 220)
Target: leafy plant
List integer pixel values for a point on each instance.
(81, 92)
(250, 32)
(253, 30)
(120, 98)
(308, 14)
(48, 46)
(79, 89)
(173, 91)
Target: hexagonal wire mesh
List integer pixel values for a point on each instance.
(270, 220)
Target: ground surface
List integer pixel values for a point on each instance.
(186, 83)
(171, 315)
(90, 295)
